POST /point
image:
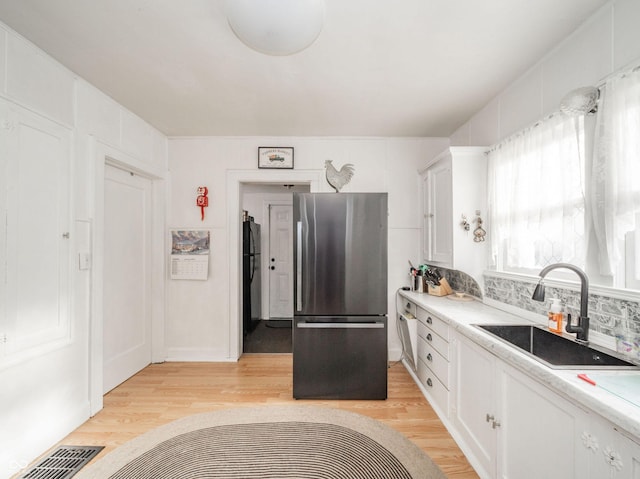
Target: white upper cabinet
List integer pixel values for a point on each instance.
(453, 185)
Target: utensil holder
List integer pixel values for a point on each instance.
(443, 290)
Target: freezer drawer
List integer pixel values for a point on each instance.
(340, 358)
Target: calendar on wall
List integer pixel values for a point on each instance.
(189, 254)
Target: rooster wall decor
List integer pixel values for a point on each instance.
(336, 178)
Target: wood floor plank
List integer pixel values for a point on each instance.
(164, 392)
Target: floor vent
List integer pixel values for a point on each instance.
(63, 463)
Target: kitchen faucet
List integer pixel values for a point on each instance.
(582, 328)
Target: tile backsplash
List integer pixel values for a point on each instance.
(460, 281)
(608, 314)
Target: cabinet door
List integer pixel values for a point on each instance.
(4, 172)
(537, 431)
(475, 407)
(439, 213)
(630, 454)
(426, 219)
(608, 453)
(36, 217)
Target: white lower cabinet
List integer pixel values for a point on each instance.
(510, 425)
(474, 406)
(609, 453)
(433, 359)
(538, 430)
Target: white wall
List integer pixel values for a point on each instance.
(201, 316)
(46, 396)
(608, 41)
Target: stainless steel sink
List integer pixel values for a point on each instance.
(555, 351)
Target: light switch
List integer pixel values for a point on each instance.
(84, 261)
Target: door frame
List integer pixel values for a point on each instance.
(102, 155)
(234, 222)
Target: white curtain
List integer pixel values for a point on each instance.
(536, 195)
(615, 177)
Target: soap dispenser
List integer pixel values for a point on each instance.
(555, 316)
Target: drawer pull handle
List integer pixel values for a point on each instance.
(429, 382)
(429, 357)
(429, 320)
(429, 338)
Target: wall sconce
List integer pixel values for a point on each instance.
(276, 27)
(202, 200)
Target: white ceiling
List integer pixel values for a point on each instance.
(378, 68)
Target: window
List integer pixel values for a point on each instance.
(616, 179)
(537, 201)
(543, 200)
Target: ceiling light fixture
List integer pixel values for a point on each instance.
(276, 27)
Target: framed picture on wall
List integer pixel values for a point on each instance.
(275, 157)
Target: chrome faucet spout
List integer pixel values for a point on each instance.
(582, 328)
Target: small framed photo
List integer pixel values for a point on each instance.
(275, 157)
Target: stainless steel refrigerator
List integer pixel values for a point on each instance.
(251, 284)
(340, 312)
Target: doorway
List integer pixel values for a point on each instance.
(270, 208)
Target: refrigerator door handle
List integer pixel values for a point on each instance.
(302, 324)
(299, 266)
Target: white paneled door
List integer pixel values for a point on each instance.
(127, 312)
(280, 261)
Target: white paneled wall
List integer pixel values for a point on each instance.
(3, 60)
(199, 315)
(626, 43)
(38, 82)
(47, 395)
(98, 114)
(608, 41)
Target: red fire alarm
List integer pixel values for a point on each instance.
(202, 200)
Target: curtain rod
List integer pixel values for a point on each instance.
(632, 67)
(518, 133)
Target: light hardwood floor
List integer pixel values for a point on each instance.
(164, 392)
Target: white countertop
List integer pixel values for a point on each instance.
(461, 315)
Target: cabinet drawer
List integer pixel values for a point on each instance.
(410, 308)
(437, 341)
(437, 392)
(434, 323)
(439, 365)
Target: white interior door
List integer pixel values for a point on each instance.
(280, 261)
(127, 313)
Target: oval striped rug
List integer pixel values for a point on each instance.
(299, 442)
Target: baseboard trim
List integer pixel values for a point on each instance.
(198, 355)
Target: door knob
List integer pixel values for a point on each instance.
(273, 260)
(272, 268)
